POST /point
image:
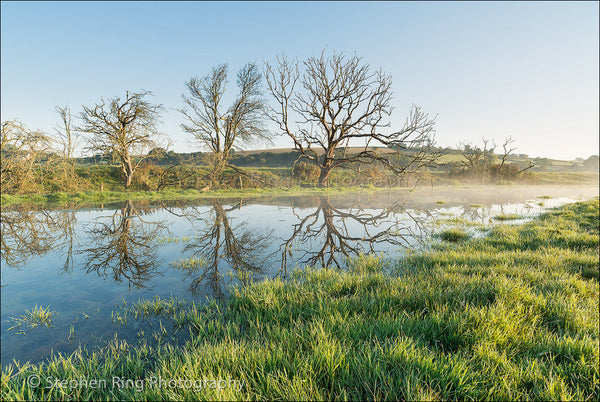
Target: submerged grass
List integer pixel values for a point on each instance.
(37, 317)
(510, 316)
(188, 264)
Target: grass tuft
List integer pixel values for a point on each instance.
(453, 235)
(508, 217)
(37, 317)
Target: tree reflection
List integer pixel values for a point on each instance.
(124, 247)
(331, 234)
(25, 234)
(223, 243)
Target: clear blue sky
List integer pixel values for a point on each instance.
(490, 69)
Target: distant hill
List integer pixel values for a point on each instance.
(285, 158)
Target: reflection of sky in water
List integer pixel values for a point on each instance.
(248, 235)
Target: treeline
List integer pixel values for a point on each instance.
(321, 105)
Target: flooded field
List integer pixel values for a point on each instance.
(86, 264)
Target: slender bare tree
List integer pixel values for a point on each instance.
(220, 130)
(66, 141)
(507, 150)
(126, 128)
(337, 100)
(67, 137)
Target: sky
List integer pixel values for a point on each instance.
(486, 69)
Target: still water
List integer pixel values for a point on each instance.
(83, 263)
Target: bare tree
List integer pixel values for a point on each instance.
(220, 130)
(338, 100)
(508, 150)
(67, 140)
(125, 128)
(478, 160)
(22, 150)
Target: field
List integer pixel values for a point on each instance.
(513, 315)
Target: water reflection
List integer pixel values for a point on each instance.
(25, 234)
(220, 242)
(246, 240)
(329, 235)
(123, 246)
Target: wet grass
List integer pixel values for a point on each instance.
(36, 317)
(171, 240)
(458, 221)
(188, 264)
(453, 235)
(508, 217)
(511, 316)
(104, 197)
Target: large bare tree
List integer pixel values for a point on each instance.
(337, 100)
(220, 130)
(126, 128)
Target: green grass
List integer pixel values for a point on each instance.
(170, 239)
(101, 197)
(511, 316)
(453, 235)
(458, 221)
(188, 264)
(37, 317)
(563, 178)
(508, 217)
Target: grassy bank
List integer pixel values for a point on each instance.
(186, 183)
(510, 316)
(98, 197)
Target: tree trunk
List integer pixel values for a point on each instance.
(216, 176)
(127, 171)
(324, 176)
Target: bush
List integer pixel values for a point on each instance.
(305, 171)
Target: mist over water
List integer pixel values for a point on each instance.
(86, 262)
